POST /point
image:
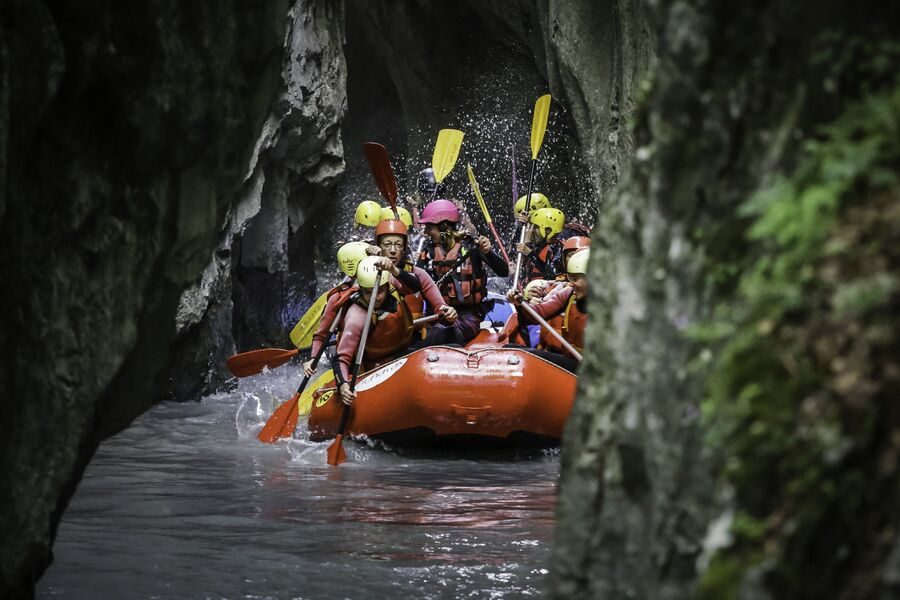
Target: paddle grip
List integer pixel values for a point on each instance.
(345, 416)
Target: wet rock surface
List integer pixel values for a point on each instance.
(658, 498)
(126, 130)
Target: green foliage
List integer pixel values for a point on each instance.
(794, 394)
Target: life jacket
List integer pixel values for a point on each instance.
(464, 286)
(391, 330)
(414, 302)
(550, 254)
(547, 341)
(571, 323)
(343, 291)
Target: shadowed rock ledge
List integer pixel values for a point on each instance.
(125, 129)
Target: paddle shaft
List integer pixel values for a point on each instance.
(360, 352)
(425, 320)
(499, 242)
(543, 323)
(524, 229)
(318, 356)
(484, 210)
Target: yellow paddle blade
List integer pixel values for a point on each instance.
(478, 196)
(304, 405)
(539, 124)
(303, 331)
(446, 151)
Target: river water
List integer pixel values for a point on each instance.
(186, 503)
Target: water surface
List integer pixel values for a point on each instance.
(186, 503)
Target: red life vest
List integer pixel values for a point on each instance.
(533, 271)
(574, 325)
(464, 286)
(571, 323)
(390, 332)
(343, 292)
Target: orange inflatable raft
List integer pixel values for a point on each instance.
(483, 394)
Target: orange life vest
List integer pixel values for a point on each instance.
(571, 323)
(464, 286)
(390, 332)
(551, 255)
(343, 293)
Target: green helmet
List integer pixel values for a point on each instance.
(538, 200)
(368, 213)
(366, 272)
(388, 214)
(349, 255)
(578, 262)
(549, 221)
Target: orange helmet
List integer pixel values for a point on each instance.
(577, 242)
(391, 227)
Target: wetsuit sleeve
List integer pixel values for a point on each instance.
(322, 332)
(496, 263)
(550, 307)
(349, 341)
(409, 281)
(429, 290)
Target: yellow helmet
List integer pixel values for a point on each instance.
(549, 221)
(366, 272)
(538, 200)
(532, 286)
(388, 214)
(578, 262)
(349, 255)
(368, 213)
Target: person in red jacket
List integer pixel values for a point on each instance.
(416, 285)
(348, 257)
(458, 262)
(390, 332)
(566, 308)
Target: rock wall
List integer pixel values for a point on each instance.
(724, 442)
(125, 130)
(262, 277)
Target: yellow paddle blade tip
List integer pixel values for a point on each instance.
(539, 124)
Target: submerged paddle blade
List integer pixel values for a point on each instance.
(380, 165)
(336, 454)
(539, 124)
(303, 331)
(284, 418)
(446, 151)
(250, 363)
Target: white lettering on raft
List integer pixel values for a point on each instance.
(380, 375)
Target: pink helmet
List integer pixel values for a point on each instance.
(439, 210)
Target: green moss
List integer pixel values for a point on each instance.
(722, 579)
(798, 396)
